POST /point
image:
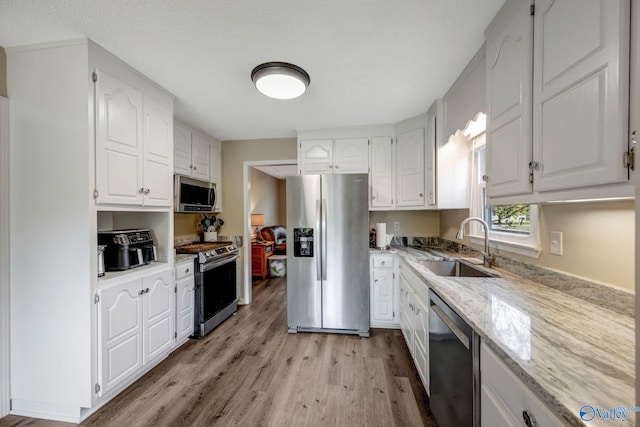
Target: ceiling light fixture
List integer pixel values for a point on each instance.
(280, 80)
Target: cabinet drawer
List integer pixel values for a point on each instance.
(509, 393)
(383, 261)
(184, 269)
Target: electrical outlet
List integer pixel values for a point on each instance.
(555, 242)
(396, 226)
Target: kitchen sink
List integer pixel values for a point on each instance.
(454, 269)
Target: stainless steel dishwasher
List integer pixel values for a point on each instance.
(454, 360)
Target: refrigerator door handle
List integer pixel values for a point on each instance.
(316, 254)
(324, 239)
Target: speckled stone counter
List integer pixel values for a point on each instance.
(184, 257)
(569, 351)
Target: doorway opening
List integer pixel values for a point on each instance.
(265, 202)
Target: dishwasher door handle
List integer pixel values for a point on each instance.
(464, 339)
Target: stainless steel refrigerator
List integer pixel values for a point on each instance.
(328, 253)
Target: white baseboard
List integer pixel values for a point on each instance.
(48, 411)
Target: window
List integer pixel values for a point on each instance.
(513, 228)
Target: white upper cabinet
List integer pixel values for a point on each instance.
(192, 154)
(347, 155)
(381, 173)
(558, 98)
(315, 156)
(134, 140)
(157, 142)
(581, 88)
(351, 155)
(118, 142)
(201, 156)
(410, 171)
(216, 161)
(509, 81)
(182, 163)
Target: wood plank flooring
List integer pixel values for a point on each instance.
(251, 372)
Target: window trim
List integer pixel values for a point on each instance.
(529, 245)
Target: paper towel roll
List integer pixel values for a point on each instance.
(381, 234)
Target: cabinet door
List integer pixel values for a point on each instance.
(381, 173)
(216, 162)
(509, 81)
(157, 142)
(431, 139)
(185, 301)
(492, 410)
(201, 151)
(119, 333)
(421, 339)
(118, 142)
(315, 156)
(410, 169)
(382, 295)
(351, 155)
(406, 314)
(158, 313)
(182, 150)
(580, 116)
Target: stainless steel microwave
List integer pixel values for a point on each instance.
(192, 195)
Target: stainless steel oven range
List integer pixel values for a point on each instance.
(215, 278)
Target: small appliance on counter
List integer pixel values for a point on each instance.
(125, 249)
(101, 249)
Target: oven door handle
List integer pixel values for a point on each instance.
(454, 328)
(215, 264)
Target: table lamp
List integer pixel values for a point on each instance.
(257, 220)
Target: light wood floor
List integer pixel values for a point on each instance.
(251, 372)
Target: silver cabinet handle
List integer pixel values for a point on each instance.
(528, 419)
(147, 191)
(140, 292)
(337, 166)
(417, 311)
(533, 165)
(375, 281)
(190, 166)
(141, 191)
(411, 306)
(421, 195)
(186, 271)
(146, 291)
(330, 166)
(195, 167)
(485, 178)
(373, 197)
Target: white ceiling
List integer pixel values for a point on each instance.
(370, 61)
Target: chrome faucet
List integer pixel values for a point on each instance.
(488, 259)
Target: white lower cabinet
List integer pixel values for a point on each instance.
(505, 400)
(384, 291)
(414, 320)
(135, 326)
(185, 287)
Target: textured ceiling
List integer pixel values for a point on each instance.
(370, 61)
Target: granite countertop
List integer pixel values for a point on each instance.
(184, 257)
(569, 351)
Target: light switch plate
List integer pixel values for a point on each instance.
(396, 226)
(555, 242)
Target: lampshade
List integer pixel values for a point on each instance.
(257, 219)
(280, 80)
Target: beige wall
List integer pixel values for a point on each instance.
(265, 196)
(234, 154)
(3, 73)
(412, 223)
(186, 225)
(598, 239)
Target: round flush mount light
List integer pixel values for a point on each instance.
(280, 80)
